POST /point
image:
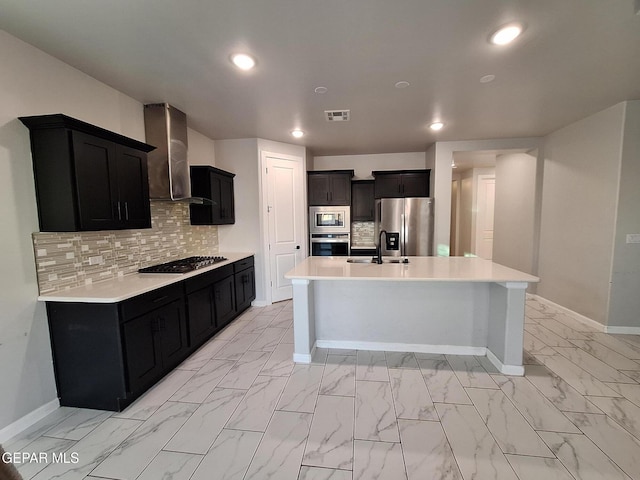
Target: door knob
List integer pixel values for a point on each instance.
(297, 247)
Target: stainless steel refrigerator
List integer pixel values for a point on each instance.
(409, 226)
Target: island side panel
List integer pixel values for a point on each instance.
(304, 325)
(435, 317)
(506, 326)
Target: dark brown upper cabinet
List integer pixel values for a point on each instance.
(401, 183)
(329, 187)
(217, 186)
(362, 201)
(87, 178)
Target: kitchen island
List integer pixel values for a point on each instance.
(454, 305)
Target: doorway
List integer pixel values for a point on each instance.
(285, 217)
(472, 204)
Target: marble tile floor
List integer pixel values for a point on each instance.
(239, 408)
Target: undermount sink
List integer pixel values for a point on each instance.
(375, 260)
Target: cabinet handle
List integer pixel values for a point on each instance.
(327, 196)
(119, 212)
(159, 299)
(126, 210)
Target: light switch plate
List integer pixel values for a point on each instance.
(633, 238)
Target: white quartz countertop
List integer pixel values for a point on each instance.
(122, 288)
(424, 269)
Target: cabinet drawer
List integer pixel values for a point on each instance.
(205, 279)
(242, 264)
(146, 302)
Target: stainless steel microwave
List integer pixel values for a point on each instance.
(330, 219)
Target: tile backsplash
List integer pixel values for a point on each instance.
(67, 260)
(362, 234)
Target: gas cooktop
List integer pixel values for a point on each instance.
(183, 265)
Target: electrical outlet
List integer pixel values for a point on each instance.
(633, 238)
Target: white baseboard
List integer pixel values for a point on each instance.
(627, 330)
(581, 318)
(259, 303)
(506, 369)
(29, 419)
(304, 357)
(402, 347)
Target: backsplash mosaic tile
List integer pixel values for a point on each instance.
(362, 234)
(67, 260)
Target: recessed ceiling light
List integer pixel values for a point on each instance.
(487, 78)
(243, 61)
(506, 34)
(402, 84)
(436, 126)
(321, 90)
(297, 133)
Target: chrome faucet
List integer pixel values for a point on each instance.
(379, 257)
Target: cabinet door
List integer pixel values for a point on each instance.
(202, 315)
(318, 189)
(173, 334)
(216, 208)
(388, 186)
(225, 301)
(227, 212)
(245, 288)
(415, 185)
(142, 350)
(96, 182)
(362, 202)
(340, 193)
(133, 188)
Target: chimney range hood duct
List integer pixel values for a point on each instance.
(166, 128)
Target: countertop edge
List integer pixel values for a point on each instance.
(417, 279)
(463, 271)
(82, 294)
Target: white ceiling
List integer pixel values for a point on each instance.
(575, 58)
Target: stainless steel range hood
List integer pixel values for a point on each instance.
(166, 128)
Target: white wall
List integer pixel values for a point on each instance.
(34, 83)
(624, 303)
(242, 157)
(363, 165)
(201, 149)
(579, 201)
(514, 224)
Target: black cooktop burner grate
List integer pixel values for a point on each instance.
(183, 265)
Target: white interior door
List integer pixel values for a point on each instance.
(484, 216)
(286, 214)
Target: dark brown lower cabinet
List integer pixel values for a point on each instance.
(202, 315)
(154, 343)
(224, 299)
(245, 288)
(107, 355)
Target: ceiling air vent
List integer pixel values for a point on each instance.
(337, 115)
